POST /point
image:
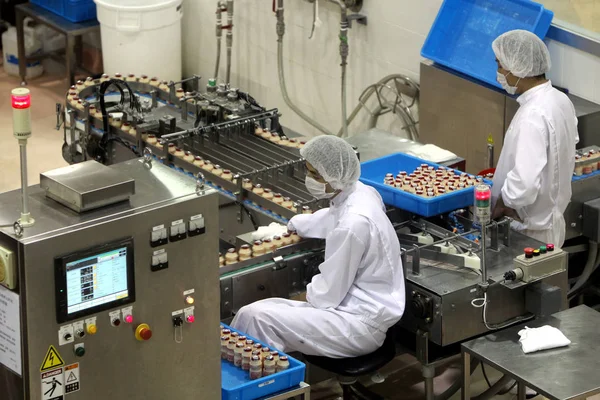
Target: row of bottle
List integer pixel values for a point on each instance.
(259, 248)
(280, 140)
(588, 162)
(243, 353)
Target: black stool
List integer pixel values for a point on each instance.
(349, 370)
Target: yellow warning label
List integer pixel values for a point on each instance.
(52, 360)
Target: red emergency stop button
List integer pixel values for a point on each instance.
(143, 332)
(528, 252)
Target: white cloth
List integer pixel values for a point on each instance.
(536, 164)
(431, 152)
(359, 293)
(273, 229)
(544, 338)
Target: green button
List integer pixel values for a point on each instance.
(80, 351)
(212, 82)
(543, 249)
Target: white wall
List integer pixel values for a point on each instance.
(391, 43)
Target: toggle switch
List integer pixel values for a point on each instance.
(143, 332)
(115, 321)
(80, 333)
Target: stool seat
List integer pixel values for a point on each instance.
(358, 366)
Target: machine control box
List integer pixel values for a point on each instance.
(540, 266)
(8, 271)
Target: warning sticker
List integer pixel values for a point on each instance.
(72, 378)
(53, 385)
(52, 360)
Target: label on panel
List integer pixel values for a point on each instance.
(10, 330)
(53, 385)
(52, 360)
(72, 377)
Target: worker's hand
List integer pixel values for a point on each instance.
(501, 210)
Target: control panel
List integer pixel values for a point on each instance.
(537, 263)
(8, 270)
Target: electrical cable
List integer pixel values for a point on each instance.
(482, 302)
(485, 375)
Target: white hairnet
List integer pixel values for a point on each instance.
(334, 159)
(522, 53)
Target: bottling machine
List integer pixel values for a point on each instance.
(223, 141)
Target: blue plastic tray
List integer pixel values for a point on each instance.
(373, 173)
(237, 385)
(462, 34)
(72, 10)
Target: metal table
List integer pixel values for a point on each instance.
(561, 374)
(72, 31)
(302, 390)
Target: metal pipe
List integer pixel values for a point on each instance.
(416, 260)
(456, 236)
(219, 32)
(280, 33)
(490, 154)
(229, 39)
(484, 272)
(23, 151)
(344, 52)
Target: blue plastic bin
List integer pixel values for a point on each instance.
(462, 34)
(373, 173)
(236, 383)
(72, 10)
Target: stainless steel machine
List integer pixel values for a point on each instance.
(225, 140)
(114, 289)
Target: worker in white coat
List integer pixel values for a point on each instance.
(359, 293)
(532, 183)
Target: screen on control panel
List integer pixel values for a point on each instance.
(95, 279)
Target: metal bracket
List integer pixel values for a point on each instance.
(200, 184)
(423, 347)
(59, 116)
(280, 263)
(360, 18)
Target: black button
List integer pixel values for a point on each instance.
(67, 336)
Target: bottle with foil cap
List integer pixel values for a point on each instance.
(283, 363)
(255, 367)
(238, 354)
(269, 366)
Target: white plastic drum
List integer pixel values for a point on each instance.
(141, 37)
(33, 46)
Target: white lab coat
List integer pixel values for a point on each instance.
(536, 164)
(358, 294)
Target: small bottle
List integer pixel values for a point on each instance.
(249, 342)
(265, 352)
(255, 367)
(302, 144)
(258, 131)
(104, 78)
(151, 140)
(237, 355)
(247, 184)
(275, 356)
(221, 260)
(277, 242)
(227, 175)
(277, 198)
(116, 122)
(266, 134)
(180, 93)
(189, 157)
(172, 148)
(208, 165)
(198, 161)
(154, 82)
(224, 345)
(218, 171)
(231, 350)
(283, 363)
(269, 247)
(133, 131)
(118, 76)
(268, 194)
(226, 332)
(179, 153)
(231, 257)
(242, 339)
(258, 249)
(144, 79)
(80, 86)
(80, 106)
(245, 252)
(269, 366)
(258, 189)
(71, 95)
(286, 239)
(92, 109)
(246, 357)
(294, 143)
(275, 138)
(164, 85)
(296, 238)
(287, 203)
(257, 347)
(89, 82)
(306, 210)
(284, 141)
(131, 78)
(234, 335)
(126, 127)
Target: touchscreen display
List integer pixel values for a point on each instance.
(97, 280)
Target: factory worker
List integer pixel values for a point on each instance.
(359, 293)
(532, 183)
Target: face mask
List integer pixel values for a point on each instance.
(502, 81)
(317, 189)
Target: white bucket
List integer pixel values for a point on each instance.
(10, 47)
(141, 37)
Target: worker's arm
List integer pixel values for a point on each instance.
(344, 251)
(524, 181)
(316, 225)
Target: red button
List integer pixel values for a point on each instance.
(146, 334)
(528, 252)
(190, 319)
(129, 319)
(550, 247)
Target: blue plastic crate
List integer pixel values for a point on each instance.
(72, 10)
(373, 173)
(237, 385)
(462, 34)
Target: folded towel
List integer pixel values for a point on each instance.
(433, 153)
(544, 338)
(267, 232)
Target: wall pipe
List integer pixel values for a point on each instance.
(344, 52)
(219, 32)
(229, 39)
(280, 33)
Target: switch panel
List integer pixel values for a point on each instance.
(537, 264)
(66, 335)
(158, 236)
(160, 260)
(178, 231)
(79, 330)
(115, 318)
(196, 225)
(8, 269)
